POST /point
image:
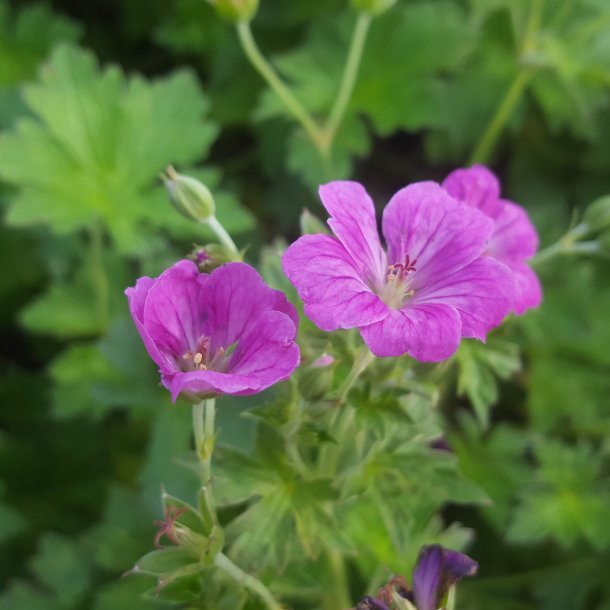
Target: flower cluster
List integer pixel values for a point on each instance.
(454, 265)
(225, 332)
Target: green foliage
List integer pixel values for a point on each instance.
(103, 163)
(479, 367)
(88, 436)
(25, 40)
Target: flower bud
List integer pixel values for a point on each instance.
(597, 214)
(189, 196)
(316, 379)
(235, 11)
(207, 258)
(373, 7)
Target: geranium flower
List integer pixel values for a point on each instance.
(514, 239)
(430, 289)
(222, 333)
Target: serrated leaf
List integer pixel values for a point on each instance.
(97, 145)
(479, 364)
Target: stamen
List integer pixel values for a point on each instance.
(198, 358)
(187, 356)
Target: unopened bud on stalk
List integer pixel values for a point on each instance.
(373, 7)
(597, 214)
(189, 196)
(235, 11)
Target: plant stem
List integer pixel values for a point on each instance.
(266, 70)
(361, 362)
(100, 279)
(561, 247)
(223, 237)
(339, 597)
(247, 581)
(203, 427)
(352, 65)
(495, 127)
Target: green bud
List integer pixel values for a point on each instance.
(207, 258)
(189, 196)
(310, 224)
(373, 7)
(597, 214)
(315, 380)
(235, 11)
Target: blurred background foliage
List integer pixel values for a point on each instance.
(97, 97)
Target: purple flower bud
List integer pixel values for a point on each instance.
(436, 571)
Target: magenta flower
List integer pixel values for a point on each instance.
(430, 289)
(222, 333)
(514, 239)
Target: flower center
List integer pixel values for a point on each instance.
(202, 358)
(396, 289)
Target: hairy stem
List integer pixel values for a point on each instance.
(223, 237)
(203, 428)
(266, 70)
(247, 581)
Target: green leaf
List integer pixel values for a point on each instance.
(63, 566)
(22, 596)
(26, 38)
(12, 522)
(103, 163)
(80, 306)
(479, 364)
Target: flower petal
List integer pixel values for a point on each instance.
(136, 298)
(425, 223)
(528, 292)
(172, 313)
(283, 305)
(477, 186)
(196, 384)
(436, 571)
(236, 297)
(268, 351)
(427, 577)
(481, 292)
(514, 237)
(428, 332)
(353, 221)
(456, 565)
(334, 293)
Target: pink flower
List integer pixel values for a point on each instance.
(222, 333)
(514, 239)
(430, 289)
